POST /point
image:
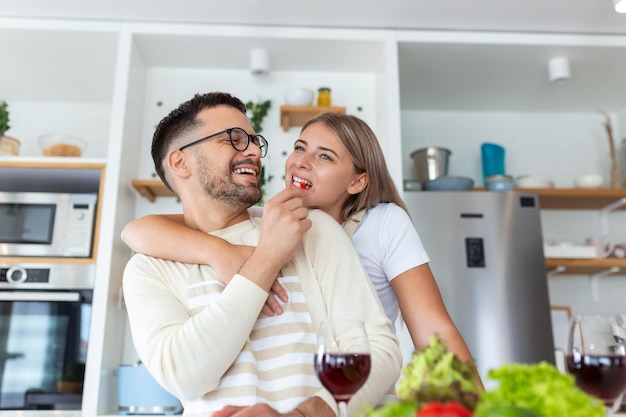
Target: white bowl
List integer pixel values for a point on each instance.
(299, 97)
(534, 181)
(589, 181)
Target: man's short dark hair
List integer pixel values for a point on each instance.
(182, 119)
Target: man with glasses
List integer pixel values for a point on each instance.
(209, 343)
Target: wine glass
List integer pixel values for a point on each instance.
(342, 360)
(596, 356)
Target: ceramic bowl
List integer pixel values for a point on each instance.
(534, 181)
(589, 181)
(299, 97)
(449, 183)
(500, 183)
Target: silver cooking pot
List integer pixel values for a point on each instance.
(430, 163)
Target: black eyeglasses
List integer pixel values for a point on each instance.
(239, 139)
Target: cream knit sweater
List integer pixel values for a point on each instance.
(209, 345)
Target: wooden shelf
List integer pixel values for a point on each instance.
(549, 198)
(585, 266)
(577, 198)
(151, 189)
(574, 198)
(291, 116)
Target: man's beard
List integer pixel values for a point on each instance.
(220, 187)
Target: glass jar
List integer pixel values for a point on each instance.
(323, 96)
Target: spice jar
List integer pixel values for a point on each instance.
(323, 96)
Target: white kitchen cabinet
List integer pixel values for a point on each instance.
(459, 89)
(160, 66)
(111, 82)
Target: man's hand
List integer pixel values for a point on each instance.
(313, 406)
(257, 410)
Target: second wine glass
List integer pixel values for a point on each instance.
(596, 356)
(342, 360)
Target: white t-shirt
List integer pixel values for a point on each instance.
(388, 245)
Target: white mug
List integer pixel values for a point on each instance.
(603, 247)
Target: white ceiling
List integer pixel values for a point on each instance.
(451, 77)
(573, 16)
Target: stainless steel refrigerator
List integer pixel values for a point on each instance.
(486, 252)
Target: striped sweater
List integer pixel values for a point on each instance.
(209, 345)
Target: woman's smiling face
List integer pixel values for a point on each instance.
(321, 166)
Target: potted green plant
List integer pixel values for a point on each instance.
(258, 111)
(8, 144)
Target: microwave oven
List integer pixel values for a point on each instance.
(47, 224)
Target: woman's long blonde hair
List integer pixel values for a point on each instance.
(367, 156)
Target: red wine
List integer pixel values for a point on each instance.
(601, 375)
(343, 373)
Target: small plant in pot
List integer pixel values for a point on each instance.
(8, 144)
(258, 111)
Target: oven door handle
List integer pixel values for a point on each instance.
(39, 296)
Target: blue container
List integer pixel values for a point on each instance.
(140, 394)
(492, 159)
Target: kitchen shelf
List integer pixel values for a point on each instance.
(584, 266)
(151, 189)
(549, 198)
(574, 198)
(577, 198)
(291, 116)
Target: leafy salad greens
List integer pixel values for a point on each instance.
(542, 389)
(436, 375)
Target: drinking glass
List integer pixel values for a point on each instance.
(596, 356)
(342, 359)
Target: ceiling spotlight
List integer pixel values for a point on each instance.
(558, 70)
(620, 6)
(260, 62)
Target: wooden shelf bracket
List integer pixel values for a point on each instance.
(595, 281)
(606, 211)
(556, 271)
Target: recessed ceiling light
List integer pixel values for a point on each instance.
(620, 6)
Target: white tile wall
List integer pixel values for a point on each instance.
(559, 145)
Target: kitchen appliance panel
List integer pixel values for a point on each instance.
(45, 324)
(43, 349)
(37, 224)
(486, 253)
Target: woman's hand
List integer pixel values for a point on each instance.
(229, 264)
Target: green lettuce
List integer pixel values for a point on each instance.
(541, 388)
(435, 374)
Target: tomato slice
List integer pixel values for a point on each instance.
(458, 410)
(437, 409)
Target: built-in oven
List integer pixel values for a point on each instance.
(45, 318)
